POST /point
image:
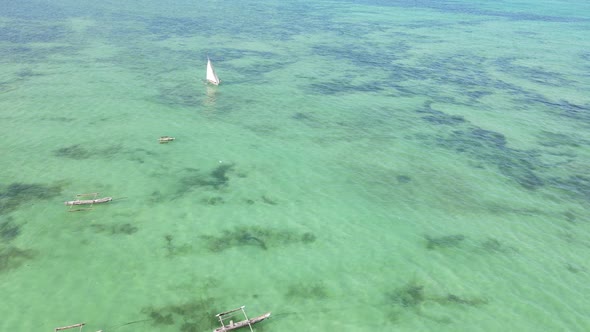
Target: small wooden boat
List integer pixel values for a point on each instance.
(233, 326)
(80, 325)
(165, 139)
(88, 201)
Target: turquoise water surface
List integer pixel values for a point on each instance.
(365, 165)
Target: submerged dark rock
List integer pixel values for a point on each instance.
(444, 241)
(8, 230)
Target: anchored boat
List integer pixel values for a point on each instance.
(165, 139)
(80, 325)
(231, 325)
(91, 202)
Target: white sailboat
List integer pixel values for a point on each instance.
(211, 75)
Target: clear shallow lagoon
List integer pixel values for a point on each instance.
(364, 165)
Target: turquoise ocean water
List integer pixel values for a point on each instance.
(365, 165)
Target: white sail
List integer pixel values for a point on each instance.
(211, 75)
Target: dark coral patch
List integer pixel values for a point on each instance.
(195, 315)
(18, 193)
(262, 238)
(13, 257)
(446, 241)
(73, 152)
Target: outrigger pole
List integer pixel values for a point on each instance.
(80, 325)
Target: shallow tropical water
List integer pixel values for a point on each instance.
(364, 165)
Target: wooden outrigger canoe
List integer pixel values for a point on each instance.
(80, 325)
(233, 326)
(91, 202)
(88, 201)
(166, 139)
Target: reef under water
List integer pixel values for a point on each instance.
(18, 193)
(413, 296)
(8, 230)
(459, 135)
(409, 295)
(13, 257)
(192, 316)
(169, 245)
(490, 146)
(256, 236)
(216, 179)
(401, 179)
(77, 152)
(456, 299)
(315, 290)
(219, 175)
(125, 229)
(174, 250)
(527, 168)
(269, 201)
(446, 241)
(574, 268)
(439, 118)
(179, 95)
(73, 152)
(264, 199)
(215, 200)
(578, 185)
(493, 245)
